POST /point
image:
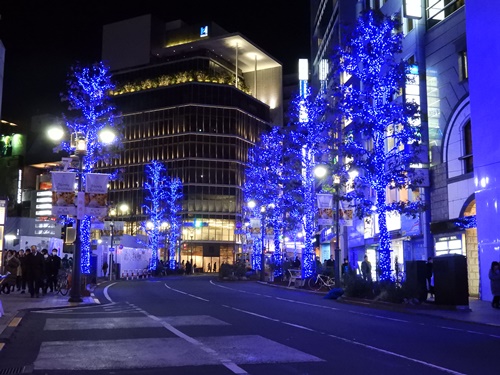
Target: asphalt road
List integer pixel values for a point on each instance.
(199, 325)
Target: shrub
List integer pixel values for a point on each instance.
(225, 270)
(358, 287)
(395, 292)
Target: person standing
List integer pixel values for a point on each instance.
(296, 262)
(215, 266)
(19, 272)
(45, 271)
(366, 269)
(35, 264)
(11, 265)
(330, 266)
(24, 270)
(65, 262)
(105, 268)
(209, 268)
(494, 276)
(54, 265)
(345, 271)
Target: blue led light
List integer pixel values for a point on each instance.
(91, 111)
(380, 118)
(162, 196)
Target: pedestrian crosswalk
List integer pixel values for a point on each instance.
(173, 349)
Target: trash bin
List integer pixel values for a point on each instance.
(415, 278)
(450, 280)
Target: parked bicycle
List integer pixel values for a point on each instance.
(63, 283)
(321, 281)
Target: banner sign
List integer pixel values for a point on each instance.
(346, 214)
(255, 227)
(63, 193)
(325, 209)
(96, 194)
(3, 211)
(410, 226)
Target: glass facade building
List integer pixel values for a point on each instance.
(191, 110)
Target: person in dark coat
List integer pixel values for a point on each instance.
(53, 267)
(494, 276)
(366, 269)
(35, 266)
(11, 265)
(21, 277)
(105, 268)
(45, 271)
(24, 269)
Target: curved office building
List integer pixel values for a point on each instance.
(196, 98)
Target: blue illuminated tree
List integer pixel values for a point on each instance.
(162, 207)
(263, 184)
(90, 111)
(380, 137)
(174, 220)
(306, 143)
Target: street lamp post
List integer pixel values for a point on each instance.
(75, 292)
(336, 182)
(111, 249)
(251, 205)
(321, 171)
(262, 254)
(79, 142)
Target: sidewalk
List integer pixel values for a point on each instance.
(478, 311)
(14, 302)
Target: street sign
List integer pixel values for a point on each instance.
(111, 249)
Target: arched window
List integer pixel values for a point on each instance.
(467, 157)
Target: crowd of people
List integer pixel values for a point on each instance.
(32, 269)
(186, 267)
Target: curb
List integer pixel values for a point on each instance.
(422, 309)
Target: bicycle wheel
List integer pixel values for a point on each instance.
(63, 287)
(314, 283)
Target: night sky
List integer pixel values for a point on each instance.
(44, 38)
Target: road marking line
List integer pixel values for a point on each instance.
(398, 355)
(301, 327)
(379, 316)
(203, 299)
(106, 292)
(356, 343)
(230, 365)
(14, 322)
(187, 294)
(252, 313)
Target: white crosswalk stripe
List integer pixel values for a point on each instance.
(150, 352)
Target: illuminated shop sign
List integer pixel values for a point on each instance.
(203, 31)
